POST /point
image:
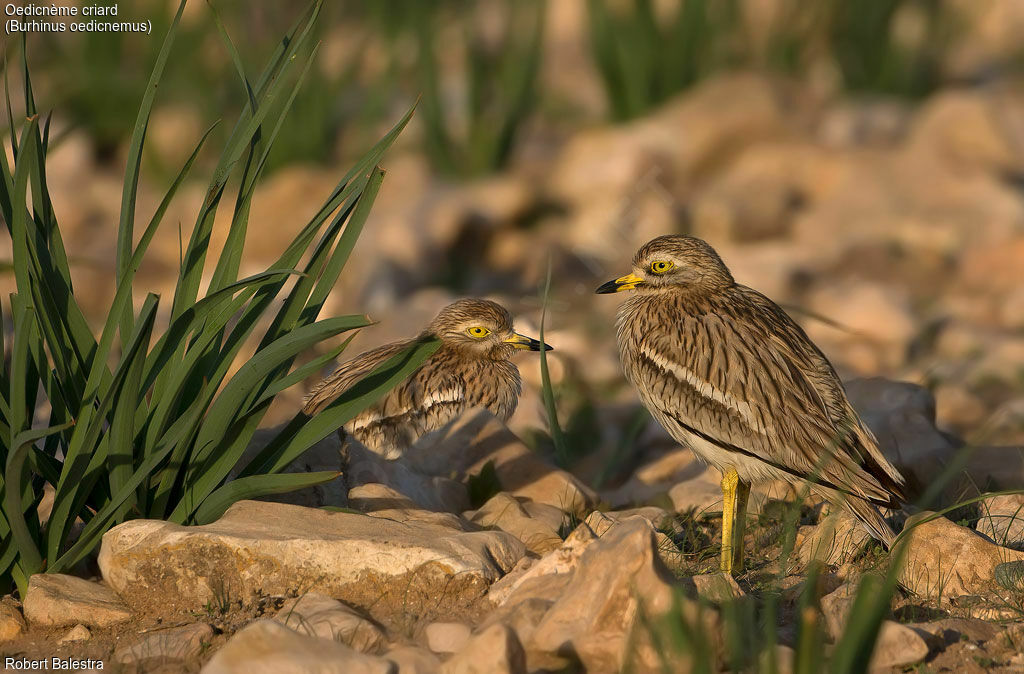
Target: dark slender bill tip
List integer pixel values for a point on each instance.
(535, 345)
(607, 288)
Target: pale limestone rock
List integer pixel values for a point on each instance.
(55, 600)
(902, 417)
(958, 406)
(549, 573)
(988, 39)
(177, 644)
(794, 587)
(836, 540)
(545, 577)
(548, 514)
(941, 633)
(318, 615)
(413, 660)
(717, 587)
(278, 548)
(597, 523)
(416, 516)
(948, 560)
(11, 622)
(505, 512)
(755, 197)
(645, 163)
(373, 496)
(835, 606)
(525, 611)
(477, 438)
(445, 637)
(1002, 520)
(654, 478)
(876, 314)
(703, 492)
(596, 613)
(851, 124)
(267, 647)
(494, 650)
(970, 130)
(428, 492)
(993, 267)
(76, 633)
(600, 522)
(897, 646)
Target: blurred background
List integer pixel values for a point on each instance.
(862, 163)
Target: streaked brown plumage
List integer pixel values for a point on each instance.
(470, 369)
(728, 373)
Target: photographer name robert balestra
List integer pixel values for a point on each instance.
(54, 664)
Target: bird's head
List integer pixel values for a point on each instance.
(481, 329)
(673, 261)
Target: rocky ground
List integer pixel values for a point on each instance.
(474, 554)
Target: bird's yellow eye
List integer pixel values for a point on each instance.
(661, 266)
(477, 331)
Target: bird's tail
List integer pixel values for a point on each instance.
(872, 519)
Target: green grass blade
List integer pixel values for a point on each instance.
(231, 255)
(255, 486)
(236, 59)
(229, 402)
(303, 432)
(71, 490)
(547, 392)
(342, 252)
(129, 194)
(93, 531)
(179, 438)
(300, 373)
(120, 457)
(10, 117)
(212, 461)
(194, 317)
(29, 557)
(19, 217)
(195, 255)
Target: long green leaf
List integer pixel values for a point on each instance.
(303, 432)
(304, 371)
(255, 486)
(29, 557)
(557, 435)
(120, 460)
(90, 536)
(73, 488)
(195, 255)
(231, 255)
(129, 194)
(211, 462)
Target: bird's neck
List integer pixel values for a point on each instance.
(690, 299)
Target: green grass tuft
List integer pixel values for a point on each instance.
(144, 423)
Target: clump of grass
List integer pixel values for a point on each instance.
(500, 88)
(153, 428)
(644, 58)
(889, 46)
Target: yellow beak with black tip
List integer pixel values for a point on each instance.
(526, 343)
(627, 282)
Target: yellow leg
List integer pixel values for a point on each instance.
(735, 494)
